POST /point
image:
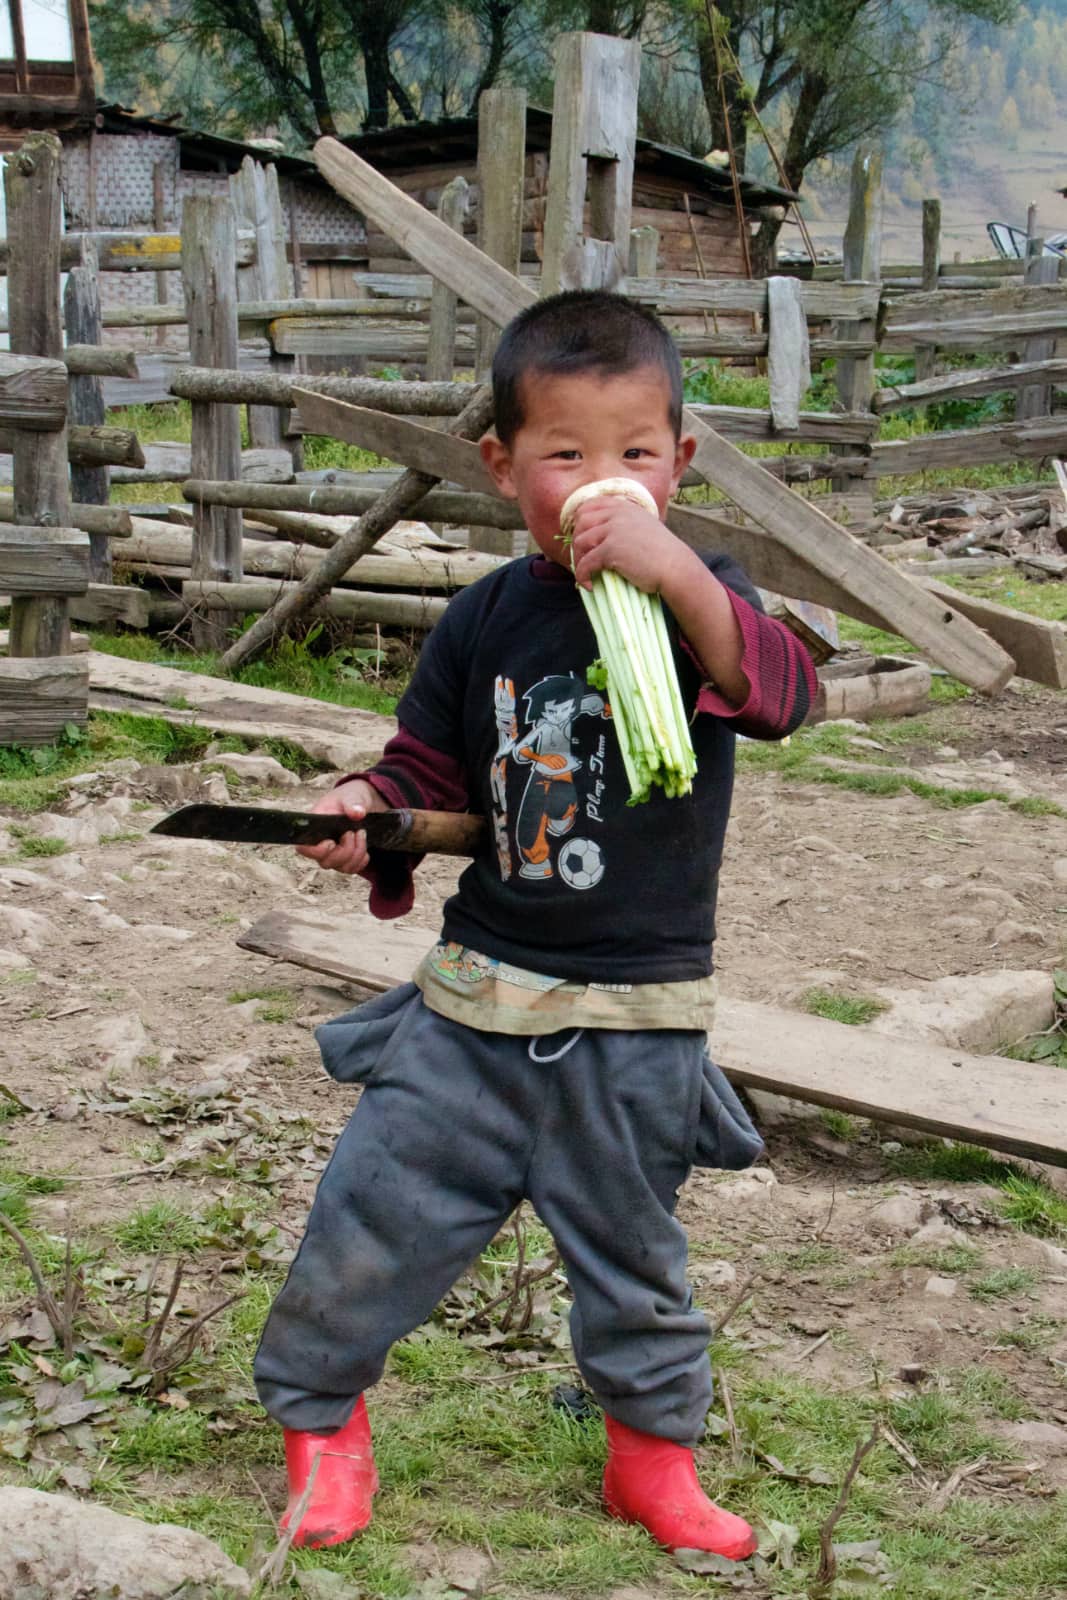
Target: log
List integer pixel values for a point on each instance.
(945, 307)
(441, 340)
(100, 361)
(438, 505)
(968, 447)
(1016, 1106)
(270, 388)
(168, 461)
(257, 202)
(163, 545)
(43, 560)
(114, 521)
(397, 438)
(147, 252)
(71, 252)
(33, 393)
(108, 603)
(40, 696)
(90, 446)
(892, 686)
(388, 610)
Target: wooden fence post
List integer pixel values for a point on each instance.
(926, 356)
(861, 262)
(85, 401)
(1036, 399)
(257, 205)
(440, 354)
(644, 251)
(39, 622)
(501, 196)
(209, 278)
(594, 130)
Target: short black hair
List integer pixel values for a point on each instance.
(581, 330)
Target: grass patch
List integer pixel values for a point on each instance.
(32, 844)
(956, 1258)
(1002, 1283)
(159, 1227)
(1029, 1202)
(160, 1439)
(853, 1010)
(279, 1005)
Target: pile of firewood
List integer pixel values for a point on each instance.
(977, 530)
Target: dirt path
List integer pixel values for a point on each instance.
(136, 1035)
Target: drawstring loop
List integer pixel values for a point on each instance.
(558, 1055)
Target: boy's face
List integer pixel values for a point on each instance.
(578, 429)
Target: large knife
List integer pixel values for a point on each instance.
(450, 833)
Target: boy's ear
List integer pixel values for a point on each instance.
(683, 455)
(496, 458)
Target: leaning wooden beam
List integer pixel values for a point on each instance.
(100, 361)
(396, 438)
(1016, 1106)
(91, 446)
(425, 237)
(439, 505)
(952, 641)
(470, 424)
(1039, 646)
(965, 385)
(272, 389)
(112, 520)
(33, 393)
(354, 605)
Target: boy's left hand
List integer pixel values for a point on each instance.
(615, 535)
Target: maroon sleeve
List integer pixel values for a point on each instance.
(408, 773)
(779, 671)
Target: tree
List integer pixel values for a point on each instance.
(842, 68)
(1008, 123)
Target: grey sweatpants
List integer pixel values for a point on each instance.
(453, 1129)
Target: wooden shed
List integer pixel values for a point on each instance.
(689, 201)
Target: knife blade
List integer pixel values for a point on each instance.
(452, 833)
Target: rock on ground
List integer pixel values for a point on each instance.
(53, 1547)
(981, 1012)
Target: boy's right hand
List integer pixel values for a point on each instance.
(349, 853)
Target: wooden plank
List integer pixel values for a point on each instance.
(441, 338)
(40, 696)
(210, 284)
(79, 642)
(862, 258)
(942, 307)
(499, 294)
(90, 485)
(342, 336)
(501, 168)
(397, 438)
(965, 385)
(744, 423)
(34, 208)
(108, 603)
(381, 394)
(1039, 647)
(1015, 1106)
(257, 203)
(822, 301)
(344, 737)
(961, 649)
(998, 441)
(438, 505)
(43, 560)
(355, 605)
(1035, 400)
(926, 360)
(33, 393)
(147, 252)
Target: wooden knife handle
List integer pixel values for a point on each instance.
(448, 833)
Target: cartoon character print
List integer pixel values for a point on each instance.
(550, 803)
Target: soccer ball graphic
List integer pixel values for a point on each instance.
(581, 863)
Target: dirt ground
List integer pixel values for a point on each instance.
(120, 981)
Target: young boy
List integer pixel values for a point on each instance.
(552, 1046)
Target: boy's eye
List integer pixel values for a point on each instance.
(634, 452)
(566, 455)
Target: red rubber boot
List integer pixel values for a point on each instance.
(345, 1483)
(653, 1481)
